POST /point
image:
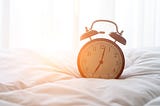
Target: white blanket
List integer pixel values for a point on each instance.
(30, 79)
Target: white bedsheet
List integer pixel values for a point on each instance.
(30, 79)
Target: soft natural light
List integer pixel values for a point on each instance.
(48, 25)
(53, 24)
(41, 24)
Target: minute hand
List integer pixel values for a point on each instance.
(101, 61)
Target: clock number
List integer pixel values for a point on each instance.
(88, 53)
(94, 48)
(109, 49)
(115, 55)
(118, 63)
(102, 46)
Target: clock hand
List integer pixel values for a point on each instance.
(101, 61)
(97, 67)
(103, 54)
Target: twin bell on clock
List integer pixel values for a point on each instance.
(101, 57)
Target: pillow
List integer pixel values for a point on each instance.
(140, 62)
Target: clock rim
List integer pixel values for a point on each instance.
(100, 39)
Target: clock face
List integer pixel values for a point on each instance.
(100, 58)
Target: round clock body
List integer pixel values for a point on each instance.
(100, 58)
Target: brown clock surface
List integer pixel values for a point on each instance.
(100, 58)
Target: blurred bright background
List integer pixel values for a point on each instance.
(48, 25)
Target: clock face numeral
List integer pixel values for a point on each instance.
(115, 55)
(109, 49)
(101, 58)
(88, 53)
(118, 62)
(94, 48)
(102, 46)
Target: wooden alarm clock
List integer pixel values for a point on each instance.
(101, 57)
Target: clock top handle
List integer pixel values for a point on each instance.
(90, 33)
(115, 35)
(118, 37)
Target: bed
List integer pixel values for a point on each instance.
(29, 78)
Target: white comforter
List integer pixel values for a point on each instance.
(30, 79)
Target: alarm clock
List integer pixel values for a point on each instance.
(101, 57)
